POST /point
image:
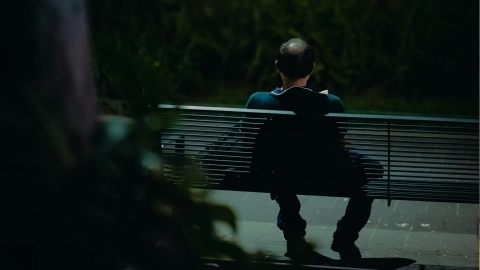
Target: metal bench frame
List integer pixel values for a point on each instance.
(424, 158)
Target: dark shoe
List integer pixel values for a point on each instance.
(302, 252)
(348, 250)
(298, 248)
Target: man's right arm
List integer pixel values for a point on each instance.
(336, 106)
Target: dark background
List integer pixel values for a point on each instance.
(407, 57)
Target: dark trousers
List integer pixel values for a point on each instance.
(356, 214)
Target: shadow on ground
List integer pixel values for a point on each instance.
(319, 261)
(365, 263)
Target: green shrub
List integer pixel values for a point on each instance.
(187, 51)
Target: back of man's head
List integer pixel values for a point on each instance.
(295, 58)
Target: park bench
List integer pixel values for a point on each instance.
(422, 158)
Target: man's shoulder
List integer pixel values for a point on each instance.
(260, 95)
(261, 100)
(336, 104)
(333, 98)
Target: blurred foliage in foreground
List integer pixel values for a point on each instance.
(410, 56)
(79, 193)
(109, 209)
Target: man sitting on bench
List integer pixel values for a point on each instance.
(295, 63)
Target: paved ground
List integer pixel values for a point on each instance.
(440, 234)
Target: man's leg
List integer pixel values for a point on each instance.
(349, 226)
(358, 209)
(292, 225)
(289, 219)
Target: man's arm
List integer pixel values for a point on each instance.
(336, 106)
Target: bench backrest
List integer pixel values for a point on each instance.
(423, 158)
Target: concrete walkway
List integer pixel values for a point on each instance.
(438, 235)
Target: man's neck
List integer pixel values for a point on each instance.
(288, 83)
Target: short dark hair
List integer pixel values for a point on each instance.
(295, 58)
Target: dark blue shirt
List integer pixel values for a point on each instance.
(301, 100)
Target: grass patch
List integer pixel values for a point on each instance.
(425, 106)
(373, 102)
